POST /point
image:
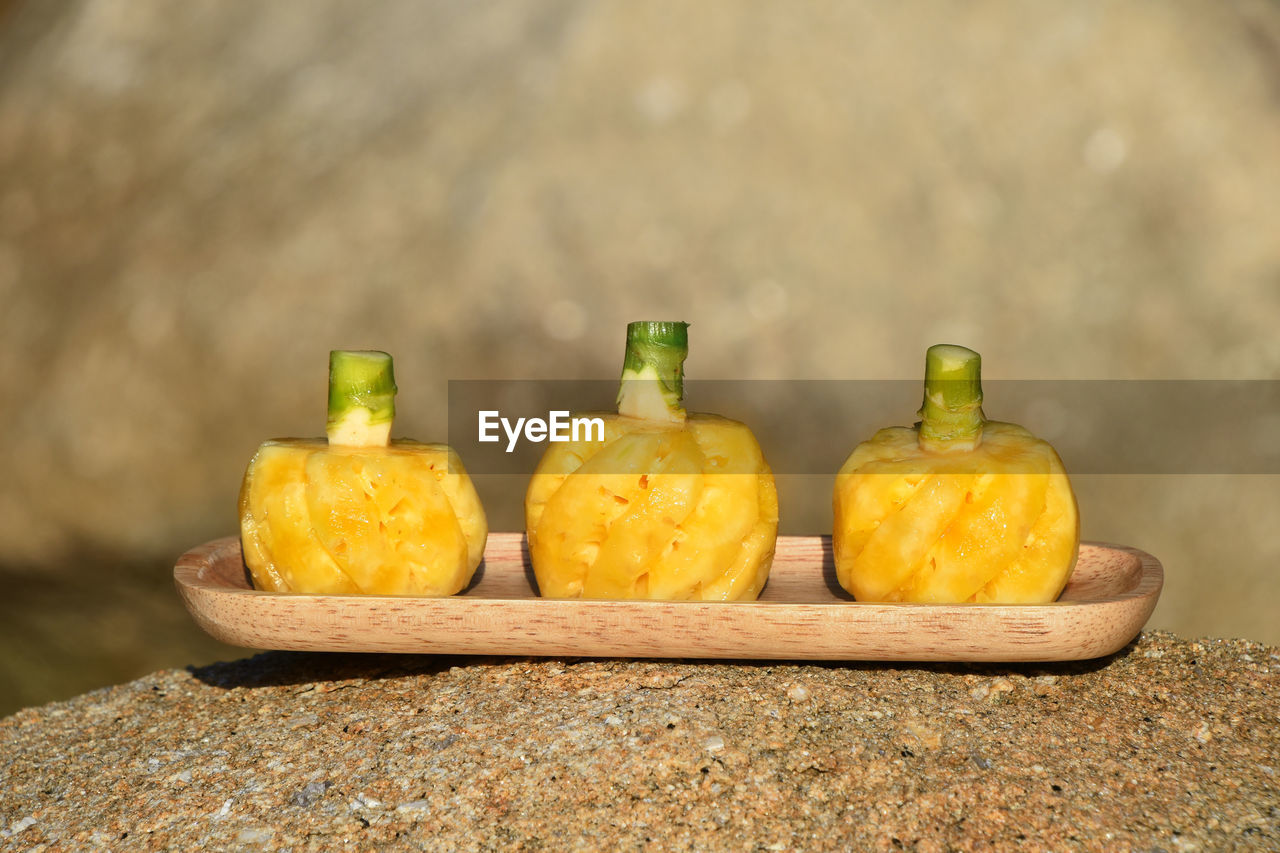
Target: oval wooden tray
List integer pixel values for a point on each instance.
(802, 615)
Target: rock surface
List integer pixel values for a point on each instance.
(1168, 745)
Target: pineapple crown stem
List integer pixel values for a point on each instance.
(951, 416)
(652, 384)
(362, 398)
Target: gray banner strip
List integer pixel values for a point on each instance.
(809, 427)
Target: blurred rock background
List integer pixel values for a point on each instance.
(199, 199)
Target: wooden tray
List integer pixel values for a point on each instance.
(802, 615)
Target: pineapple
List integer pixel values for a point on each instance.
(670, 505)
(359, 512)
(956, 509)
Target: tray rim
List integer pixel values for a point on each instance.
(959, 632)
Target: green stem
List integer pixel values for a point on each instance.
(951, 416)
(362, 398)
(652, 385)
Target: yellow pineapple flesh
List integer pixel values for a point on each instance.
(670, 505)
(400, 520)
(957, 509)
(654, 512)
(359, 513)
(995, 524)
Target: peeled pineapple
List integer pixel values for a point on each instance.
(360, 513)
(956, 509)
(670, 505)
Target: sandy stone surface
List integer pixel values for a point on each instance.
(1169, 745)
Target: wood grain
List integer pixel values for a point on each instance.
(802, 615)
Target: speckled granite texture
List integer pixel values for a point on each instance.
(1170, 745)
